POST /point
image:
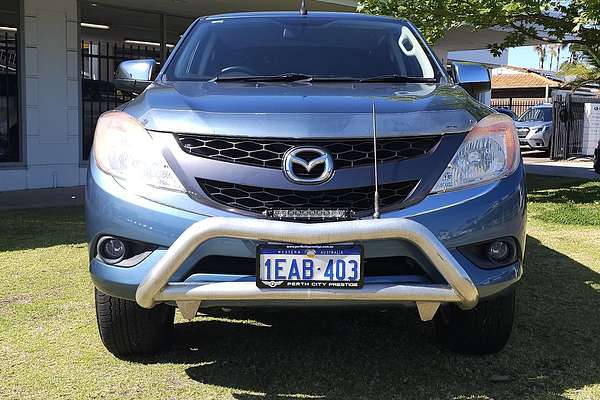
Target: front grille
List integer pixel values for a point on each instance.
(522, 132)
(259, 199)
(268, 153)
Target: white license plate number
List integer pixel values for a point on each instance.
(309, 267)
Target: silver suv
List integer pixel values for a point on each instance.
(535, 127)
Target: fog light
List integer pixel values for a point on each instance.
(495, 253)
(498, 251)
(111, 250)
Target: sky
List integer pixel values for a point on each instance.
(527, 57)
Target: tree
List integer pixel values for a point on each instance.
(583, 71)
(554, 51)
(540, 49)
(572, 69)
(572, 21)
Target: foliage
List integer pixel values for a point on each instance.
(573, 69)
(588, 54)
(574, 21)
(587, 67)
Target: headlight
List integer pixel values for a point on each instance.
(124, 149)
(489, 152)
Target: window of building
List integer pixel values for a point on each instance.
(10, 136)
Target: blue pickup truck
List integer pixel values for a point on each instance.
(289, 159)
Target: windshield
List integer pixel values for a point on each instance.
(537, 114)
(316, 46)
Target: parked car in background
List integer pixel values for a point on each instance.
(507, 111)
(268, 165)
(534, 127)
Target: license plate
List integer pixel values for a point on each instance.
(309, 267)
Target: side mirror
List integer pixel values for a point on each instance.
(474, 78)
(134, 76)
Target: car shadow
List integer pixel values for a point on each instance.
(369, 353)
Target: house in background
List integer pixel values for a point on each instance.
(516, 82)
(520, 88)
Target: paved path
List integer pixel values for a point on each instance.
(538, 163)
(41, 198)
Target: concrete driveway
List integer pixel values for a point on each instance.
(538, 162)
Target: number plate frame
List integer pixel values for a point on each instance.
(310, 284)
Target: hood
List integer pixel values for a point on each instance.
(305, 110)
(531, 124)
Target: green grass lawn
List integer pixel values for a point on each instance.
(50, 348)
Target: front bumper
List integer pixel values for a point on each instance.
(437, 226)
(188, 295)
(536, 140)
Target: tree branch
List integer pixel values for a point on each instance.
(535, 36)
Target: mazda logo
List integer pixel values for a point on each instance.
(308, 165)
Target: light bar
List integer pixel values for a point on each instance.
(309, 214)
(8, 28)
(94, 26)
(144, 43)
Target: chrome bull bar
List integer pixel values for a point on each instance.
(188, 295)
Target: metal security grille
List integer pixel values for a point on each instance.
(99, 62)
(268, 153)
(9, 98)
(568, 119)
(260, 199)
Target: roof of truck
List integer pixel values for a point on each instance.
(271, 14)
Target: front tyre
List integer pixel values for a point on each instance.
(483, 330)
(127, 329)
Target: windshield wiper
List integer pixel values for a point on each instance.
(333, 79)
(398, 78)
(287, 77)
(297, 77)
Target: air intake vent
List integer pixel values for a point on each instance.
(259, 199)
